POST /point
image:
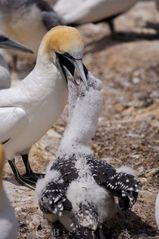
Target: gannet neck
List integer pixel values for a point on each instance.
(44, 60)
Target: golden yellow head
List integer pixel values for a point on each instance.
(2, 160)
(63, 46)
(63, 39)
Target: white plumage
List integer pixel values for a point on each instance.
(8, 222)
(28, 110)
(79, 190)
(86, 11)
(157, 210)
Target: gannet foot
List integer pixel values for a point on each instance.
(34, 177)
(30, 175)
(21, 179)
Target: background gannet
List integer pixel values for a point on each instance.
(28, 110)
(78, 190)
(157, 4)
(27, 22)
(80, 12)
(8, 222)
(157, 210)
(6, 43)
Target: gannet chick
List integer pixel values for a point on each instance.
(78, 190)
(157, 210)
(28, 110)
(88, 11)
(6, 43)
(8, 222)
(27, 21)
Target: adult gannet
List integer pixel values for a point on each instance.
(7, 43)
(86, 11)
(78, 190)
(28, 110)
(27, 21)
(8, 222)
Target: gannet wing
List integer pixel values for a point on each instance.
(49, 16)
(51, 19)
(122, 185)
(12, 121)
(53, 198)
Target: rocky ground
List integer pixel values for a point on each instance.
(128, 131)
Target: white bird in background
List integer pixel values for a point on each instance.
(87, 11)
(28, 110)
(27, 21)
(157, 210)
(8, 222)
(78, 190)
(6, 43)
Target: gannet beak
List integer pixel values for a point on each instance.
(72, 64)
(82, 71)
(7, 43)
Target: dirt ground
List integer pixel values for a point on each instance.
(128, 130)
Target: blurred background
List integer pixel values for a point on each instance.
(124, 53)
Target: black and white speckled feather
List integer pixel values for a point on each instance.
(85, 192)
(121, 184)
(81, 193)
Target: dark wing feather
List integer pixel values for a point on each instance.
(122, 185)
(43, 5)
(49, 16)
(51, 19)
(53, 198)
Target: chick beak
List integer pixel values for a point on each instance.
(79, 67)
(10, 44)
